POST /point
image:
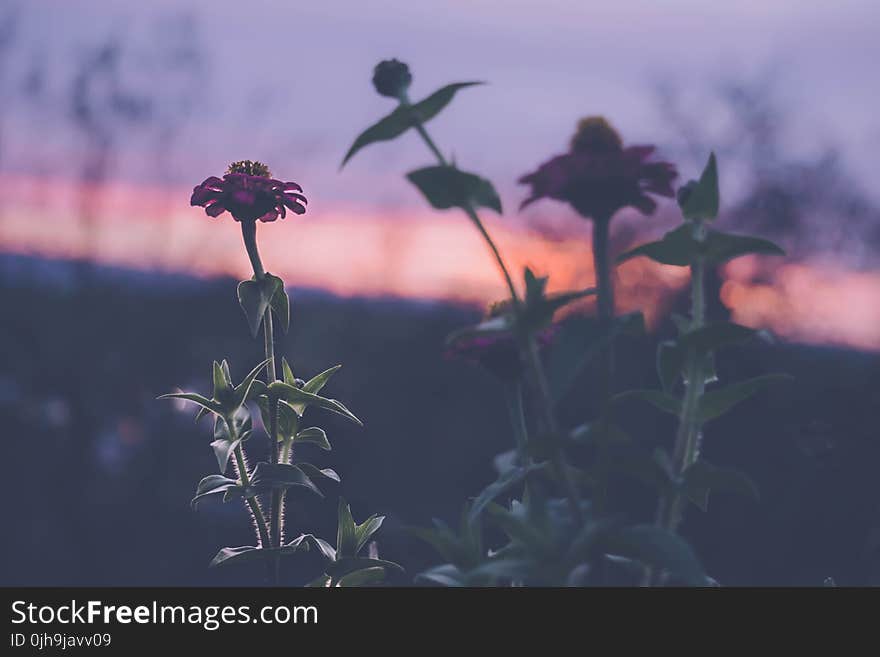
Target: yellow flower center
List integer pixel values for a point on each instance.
(250, 167)
(594, 133)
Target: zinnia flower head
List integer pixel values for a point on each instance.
(248, 192)
(598, 175)
(493, 344)
(391, 78)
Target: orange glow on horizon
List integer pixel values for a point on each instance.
(408, 253)
(816, 303)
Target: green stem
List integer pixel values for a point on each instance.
(285, 451)
(249, 233)
(687, 438)
(528, 345)
(514, 397)
(468, 208)
(604, 303)
(557, 462)
(277, 495)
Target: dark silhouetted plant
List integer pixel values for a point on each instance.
(689, 360)
(249, 193)
(550, 540)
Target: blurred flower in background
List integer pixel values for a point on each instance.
(598, 176)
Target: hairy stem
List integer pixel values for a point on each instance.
(514, 397)
(253, 505)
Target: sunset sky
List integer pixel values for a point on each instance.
(289, 83)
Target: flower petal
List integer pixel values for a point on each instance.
(294, 205)
(272, 215)
(215, 209)
(202, 195)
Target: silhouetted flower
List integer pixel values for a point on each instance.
(391, 78)
(248, 192)
(493, 344)
(598, 176)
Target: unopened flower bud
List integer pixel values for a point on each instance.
(391, 78)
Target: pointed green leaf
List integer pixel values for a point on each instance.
(427, 109)
(243, 389)
(701, 478)
(223, 448)
(314, 435)
(344, 565)
(258, 388)
(366, 529)
(287, 373)
(715, 403)
(703, 200)
(363, 577)
(279, 476)
(446, 186)
(535, 286)
(224, 365)
(312, 472)
(224, 444)
(279, 302)
(229, 555)
(204, 402)
(405, 117)
(241, 424)
(255, 296)
(346, 537)
(501, 485)
(323, 546)
(678, 247)
(321, 581)
(299, 398)
(214, 485)
(318, 381)
(721, 247)
(234, 555)
(554, 302)
(288, 420)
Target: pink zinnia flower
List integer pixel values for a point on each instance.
(493, 344)
(248, 192)
(598, 176)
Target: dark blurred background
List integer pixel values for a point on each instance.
(114, 291)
